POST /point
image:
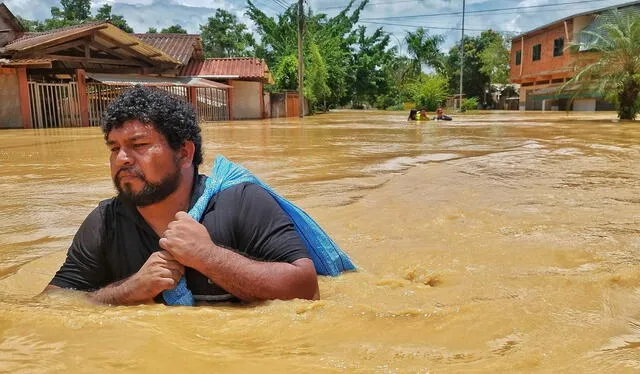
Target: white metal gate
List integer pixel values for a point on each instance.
(54, 105)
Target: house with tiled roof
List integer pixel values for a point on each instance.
(247, 76)
(67, 77)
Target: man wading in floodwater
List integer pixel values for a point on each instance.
(138, 244)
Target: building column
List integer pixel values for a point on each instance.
(230, 99)
(193, 98)
(262, 111)
(83, 97)
(23, 91)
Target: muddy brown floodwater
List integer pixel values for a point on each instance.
(499, 242)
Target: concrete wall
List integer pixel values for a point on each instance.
(10, 114)
(246, 101)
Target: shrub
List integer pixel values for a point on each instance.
(429, 91)
(470, 104)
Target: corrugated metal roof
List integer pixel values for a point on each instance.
(250, 68)
(106, 32)
(126, 79)
(179, 46)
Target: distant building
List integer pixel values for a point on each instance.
(541, 64)
(246, 76)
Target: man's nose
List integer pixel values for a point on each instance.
(123, 157)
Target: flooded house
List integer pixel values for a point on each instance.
(541, 63)
(67, 77)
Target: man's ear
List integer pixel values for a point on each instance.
(187, 151)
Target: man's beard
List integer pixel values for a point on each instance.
(151, 193)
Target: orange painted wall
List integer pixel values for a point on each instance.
(548, 65)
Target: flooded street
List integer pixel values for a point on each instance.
(501, 242)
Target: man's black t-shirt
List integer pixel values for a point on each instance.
(115, 241)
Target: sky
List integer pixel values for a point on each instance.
(394, 16)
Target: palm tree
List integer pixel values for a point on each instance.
(424, 49)
(611, 62)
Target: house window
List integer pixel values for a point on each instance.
(558, 47)
(537, 52)
(518, 57)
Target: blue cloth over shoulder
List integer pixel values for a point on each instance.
(327, 257)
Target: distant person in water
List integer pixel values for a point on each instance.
(422, 116)
(412, 115)
(441, 116)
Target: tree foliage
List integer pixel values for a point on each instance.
(104, 14)
(424, 49)
(173, 29)
(75, 12)
(428, 91)
(223, 36)
(494, 60)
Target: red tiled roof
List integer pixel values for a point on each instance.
(250, 68)
(31, 39)
(179, 46)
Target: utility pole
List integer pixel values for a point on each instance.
(300, 60)
(461, 56)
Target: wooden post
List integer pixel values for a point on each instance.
(82, 97)
(230, 99)
(193, 97)
(25, 104)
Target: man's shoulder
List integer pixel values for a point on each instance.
(241, 192)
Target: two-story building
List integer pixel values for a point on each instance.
(541, 63)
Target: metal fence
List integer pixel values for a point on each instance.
(54, 105)
(58, 104)
(212, 104)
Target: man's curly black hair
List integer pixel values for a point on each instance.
(171, 116)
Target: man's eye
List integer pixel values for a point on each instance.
(139, 145)
(115, 149)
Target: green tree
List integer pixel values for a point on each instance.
(611, 61)
(370, 78)
(223, 36)
(495, 60)
(286, 73)
(104, 14)
(316, 77)
(428, 91)
(75, 12)
(152, 30)
(334, 37)
(29, 25)
(174, 29)
(424, 49)
(79, 10)
(475, 81)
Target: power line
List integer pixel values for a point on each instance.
(482, 11)
(281, 3)
(433, 27)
